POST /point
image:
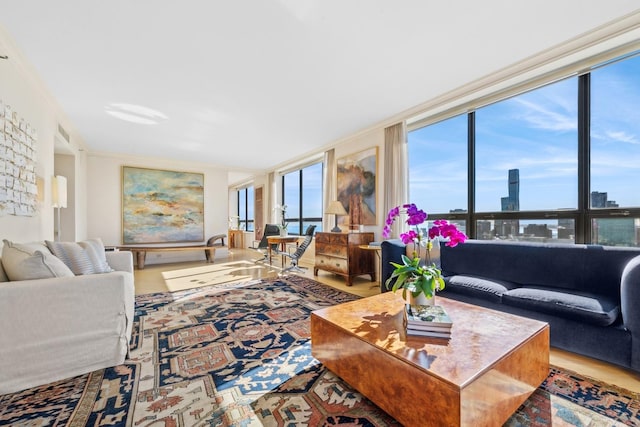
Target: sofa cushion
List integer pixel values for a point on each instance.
(526, 263)
(31, 261)
(489, 289)
(579, 306)
(81, 257)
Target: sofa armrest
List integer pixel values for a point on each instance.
(120, 260)
(630, 304)
(392, 251)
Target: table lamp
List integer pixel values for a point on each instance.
(335, 208)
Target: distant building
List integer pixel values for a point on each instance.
(511, 203)
(600, 200)
(483, 229)
(538, 230)
(566, 229)
(612, 231)
(615, 232)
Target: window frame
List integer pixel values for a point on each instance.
(246, 221)
(301, 220)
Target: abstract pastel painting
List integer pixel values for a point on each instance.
(160, 206)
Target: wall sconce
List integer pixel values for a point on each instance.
(335, 208)
(59, 198)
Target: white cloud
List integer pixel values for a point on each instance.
(543, 118)
(622, 136)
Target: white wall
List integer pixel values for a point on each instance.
(65, 165)
(22, 89)
(104, 200)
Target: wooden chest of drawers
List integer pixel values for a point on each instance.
(339, 253)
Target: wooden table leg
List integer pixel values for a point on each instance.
(140, 257)
(210, 254)
(283, 248)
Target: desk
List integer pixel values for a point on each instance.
(378, 250)
(282, 240)
(236, 239)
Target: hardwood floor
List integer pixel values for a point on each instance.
(154, 279)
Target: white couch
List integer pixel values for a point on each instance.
(60, 327)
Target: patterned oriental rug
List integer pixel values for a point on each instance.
(239, 355)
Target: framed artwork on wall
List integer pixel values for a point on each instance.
(356, 184)
(160, 206)
(18, 158)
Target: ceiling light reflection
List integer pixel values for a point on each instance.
(135, 113)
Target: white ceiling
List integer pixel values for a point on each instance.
(247, 83)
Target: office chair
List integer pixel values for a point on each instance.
(302, 247)
(263, 244)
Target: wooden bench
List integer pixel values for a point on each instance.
(140, 252)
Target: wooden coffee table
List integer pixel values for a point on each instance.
(479, 377)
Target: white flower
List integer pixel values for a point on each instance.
(283, 209)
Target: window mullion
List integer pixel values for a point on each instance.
(471, 175)
(583, 222)
(300, 205)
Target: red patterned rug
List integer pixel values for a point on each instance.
(239, 355)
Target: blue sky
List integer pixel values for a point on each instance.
(535, 132)
(312, 196)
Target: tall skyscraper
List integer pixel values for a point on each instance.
(512, 202)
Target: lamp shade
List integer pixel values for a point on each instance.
(59, 191)
(335, 208)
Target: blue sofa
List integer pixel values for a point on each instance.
(589, 294)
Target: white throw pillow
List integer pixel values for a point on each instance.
(82, 257)
(95, 250)
(31, 261)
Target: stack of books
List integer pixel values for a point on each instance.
(428, 321)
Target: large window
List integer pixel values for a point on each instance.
(615, 153)
(246, 208)
(302, 194)
(556, 164)
(527, 151)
